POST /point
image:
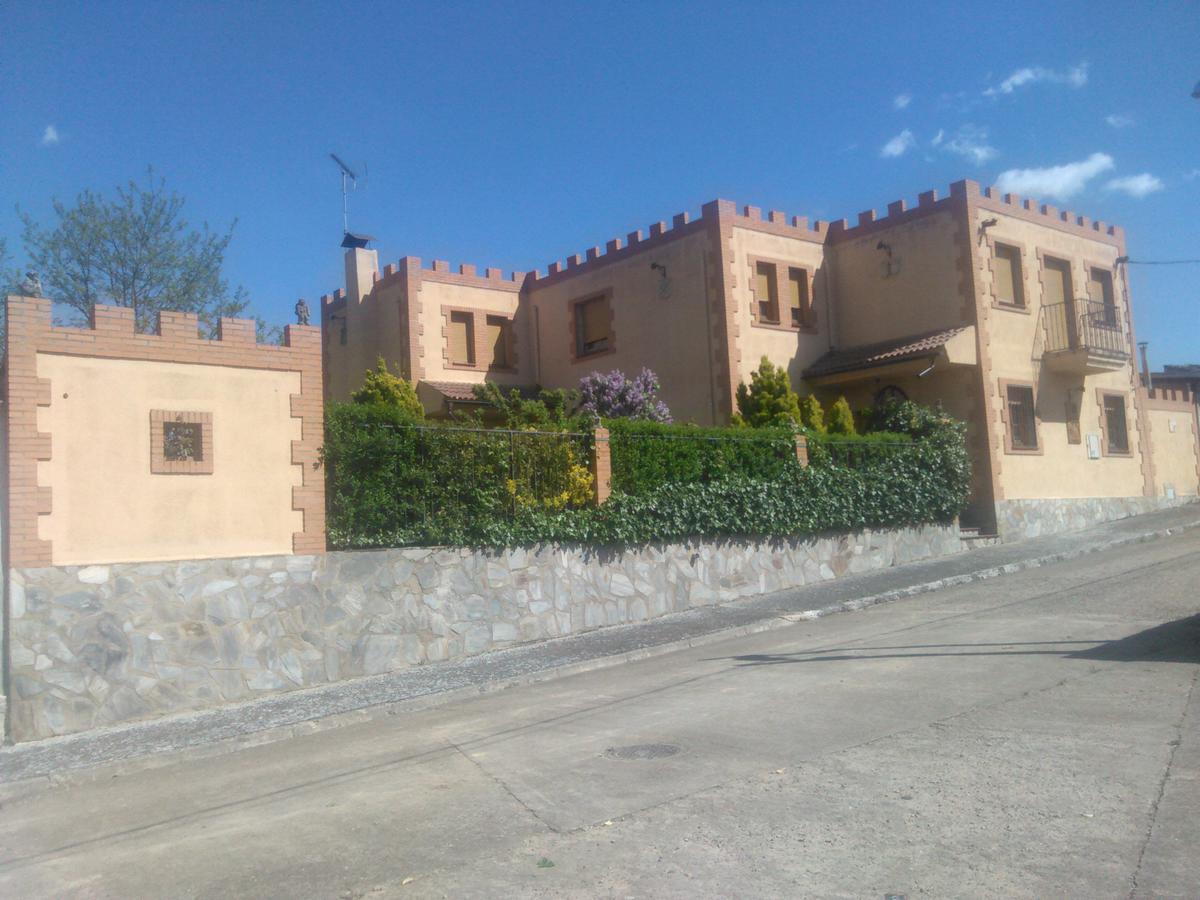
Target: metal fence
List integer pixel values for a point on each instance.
(1083, 325)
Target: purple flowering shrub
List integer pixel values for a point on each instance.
(614, 396)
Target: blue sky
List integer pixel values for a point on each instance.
(512, 135)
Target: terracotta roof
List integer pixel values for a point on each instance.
(866, 356)
(464, 392)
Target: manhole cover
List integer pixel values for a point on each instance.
(641, 751)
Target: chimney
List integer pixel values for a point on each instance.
(362, 265)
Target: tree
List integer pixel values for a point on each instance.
(382, 387)
(551, 410)
(841, 419)
(614, 396)
(134, 249)
(9, 279)
(769, 400)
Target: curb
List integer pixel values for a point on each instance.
(73, 764)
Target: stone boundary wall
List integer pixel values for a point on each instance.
(1018, 520)
(92, 646)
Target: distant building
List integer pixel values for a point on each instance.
(1178, 381)
(1014, 315)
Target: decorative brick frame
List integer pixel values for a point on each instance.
(1004, 385)
(479, 319)
(808, 314)
(607, 296)
(159, 464)
(1023, 255)
(112, 336)
(1105, 450)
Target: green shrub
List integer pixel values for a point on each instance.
(841, 419)
(812, 417)
(769, 400)
(382, 387)
(646, 455)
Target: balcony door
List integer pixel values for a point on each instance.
(1056, 281)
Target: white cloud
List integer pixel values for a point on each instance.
(902, 100)
(1118, 121)
(1136, 185)
(899, 145)
(937, 138)
(50, 136)
(1059, 182)
(969, 141)
(1195, 173)
(1075, 77)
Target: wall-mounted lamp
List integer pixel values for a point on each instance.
(886, 247)
(988, 223)
(927, 369)
(664, 283)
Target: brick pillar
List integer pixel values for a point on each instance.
(602, 465)
(802, 451)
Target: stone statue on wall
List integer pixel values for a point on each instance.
(31, 286)
(301, 312)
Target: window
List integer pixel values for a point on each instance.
(592, 326)
(766, 293)
(1008, 284)
(1022, 417)
(499, 338)
(1100, 293)
(1056, 281)
(1116, 432)
(460, 339)
(798, 297)
(181, 443)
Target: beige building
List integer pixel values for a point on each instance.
(1014, 315)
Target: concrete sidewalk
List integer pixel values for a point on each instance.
(159, 742)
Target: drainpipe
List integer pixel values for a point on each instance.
(1146, 367)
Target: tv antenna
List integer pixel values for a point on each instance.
(349, 173)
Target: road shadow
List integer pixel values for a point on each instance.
(1177, 641)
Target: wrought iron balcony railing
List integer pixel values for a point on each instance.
(1084, 325)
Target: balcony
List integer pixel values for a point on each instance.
(1083, 337)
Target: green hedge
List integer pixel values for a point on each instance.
(646, 455)
(389, 486)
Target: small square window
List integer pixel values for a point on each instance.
(499, 341)
(181, 443)
(799, 301)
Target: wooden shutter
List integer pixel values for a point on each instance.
(1006, 268)
(1100, 291)
(497, 340)
(798, 296)
(765, 292)
(461, 339)
(592, 325)
(1057, 282)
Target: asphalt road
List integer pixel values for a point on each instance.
(1035, 735)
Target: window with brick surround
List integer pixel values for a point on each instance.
(181, 443)
(499, 342)
(1009, 282)
(799, 300)
(1022, 417)
(1116, 429)
(593, 326)
(460, 339)
(1100, 291)
(766, 292)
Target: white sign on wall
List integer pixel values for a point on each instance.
(1093, 446)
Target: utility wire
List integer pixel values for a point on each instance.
(1159, 262)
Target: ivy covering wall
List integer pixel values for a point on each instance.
(390, 483)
